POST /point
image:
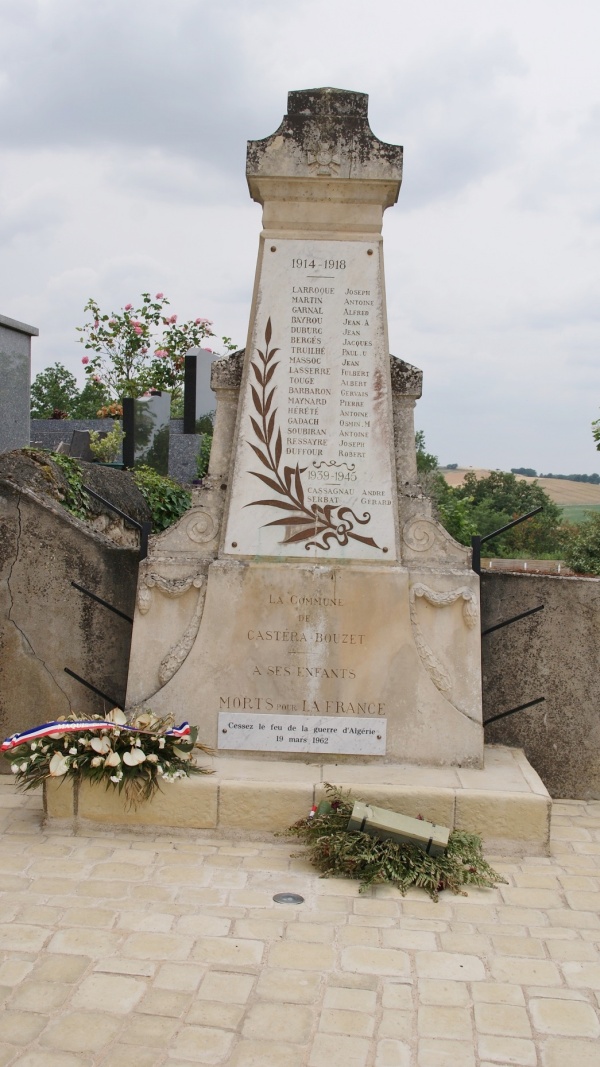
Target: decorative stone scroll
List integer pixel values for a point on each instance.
(439, 674)
(178, 652)
(171, 587)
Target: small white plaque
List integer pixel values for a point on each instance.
(301, 733)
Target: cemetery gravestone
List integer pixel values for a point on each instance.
(308, 603)
(15, 358)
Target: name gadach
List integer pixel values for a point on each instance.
(296, 635)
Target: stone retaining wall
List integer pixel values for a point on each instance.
(554, 654)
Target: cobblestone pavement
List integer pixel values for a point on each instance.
(143, 951)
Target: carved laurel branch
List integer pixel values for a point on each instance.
(439, 674)
(315, 525)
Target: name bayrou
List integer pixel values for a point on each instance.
(299, 636)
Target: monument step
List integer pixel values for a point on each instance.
(506, 802)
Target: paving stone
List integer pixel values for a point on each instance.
(279, 1022)
(582, 975)
(525, 971)
(12, 972)
(183, 976)
(396, 1024)
(507, 1019)
(566, 1017)
(40, 996)
(226, 987)
(216, 1013)
(268, 1054)
(432, 991)
(21, 1027)
(202, 1044)
(392, 1054)
(331, 1050)
(142, 1030)
(289, 986)
(508, 1050)
(435, 1020)
(164, 1002)
(109, 992)
(440, 1052)
(350, 999)
(22, 937)
(380, 961)
(452, 966)
(81, 1031)
(560, 1052)
(302, 956)
(55, 968)
(52, 1059)
(83, 942)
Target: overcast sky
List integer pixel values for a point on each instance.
(123, 129)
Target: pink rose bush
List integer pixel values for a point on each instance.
(140, 349)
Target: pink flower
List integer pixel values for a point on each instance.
(159, 296)
(97, 378)
(128, 307)
(112, 322)
(202, 322)
(173, 318)
(85, 359)
(161, 353)
(138, 330)
(96, 324)
(144, 350)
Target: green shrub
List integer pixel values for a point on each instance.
(166, 498)
(583, 551)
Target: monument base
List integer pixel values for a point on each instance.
(506, 802)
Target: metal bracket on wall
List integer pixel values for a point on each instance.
(88, 685)
(513, 711)
(507, 622)
(477, 542)
(104, 603)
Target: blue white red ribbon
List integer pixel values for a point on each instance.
(71, 727)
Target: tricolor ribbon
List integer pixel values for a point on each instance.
(49, 728)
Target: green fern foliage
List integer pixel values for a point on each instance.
(338, 852)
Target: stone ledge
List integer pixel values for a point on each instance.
(506, 802)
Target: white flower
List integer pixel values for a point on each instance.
(33, 746)
(116, 777)
(97, 760)
(56, 737)
(112, 760)
(116, 716)
(100, 745)
(182, 753)
(134, 757)
(152, 758)
(14, 768)
(24, 766)
(58, 765)
(72, 751)
(161, 743)
(83, 741)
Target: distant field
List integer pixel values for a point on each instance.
(579, 512)
(568, 494)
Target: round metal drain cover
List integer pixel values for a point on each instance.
(288, 898)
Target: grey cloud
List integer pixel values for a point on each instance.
(456, 116)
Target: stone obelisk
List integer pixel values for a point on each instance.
(308, 606)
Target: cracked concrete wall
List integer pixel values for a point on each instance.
(46, 624)
(554, 654)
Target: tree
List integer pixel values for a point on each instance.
(596, 433)
(498, 499)
(88, 402)
(426, 461)
(54, 389)
(583, 551)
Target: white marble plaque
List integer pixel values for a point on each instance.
(313, 468)
(301, 733)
